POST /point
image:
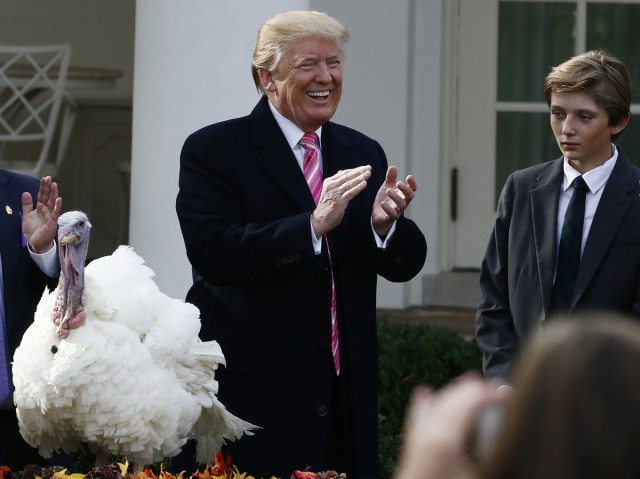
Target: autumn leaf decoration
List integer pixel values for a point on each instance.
(222, 468)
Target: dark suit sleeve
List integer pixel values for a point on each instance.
(406, 250)
(405, 254)
(495, 332)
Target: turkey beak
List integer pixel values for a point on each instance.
(66, 239)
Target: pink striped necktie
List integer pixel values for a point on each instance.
(311, 169)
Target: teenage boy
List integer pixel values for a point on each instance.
(528, 274)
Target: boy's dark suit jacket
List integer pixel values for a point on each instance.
(244, 209)
(23, 285)
(517, 272)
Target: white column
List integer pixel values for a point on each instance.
(192, 68)
(392, 92)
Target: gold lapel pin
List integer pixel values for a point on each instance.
(8, 210)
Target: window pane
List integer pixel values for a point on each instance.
(616, 28)
(523, 139)
(533, 36)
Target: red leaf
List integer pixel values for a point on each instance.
(304, 475)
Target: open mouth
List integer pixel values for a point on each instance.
(320, 95)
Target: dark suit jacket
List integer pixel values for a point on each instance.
(517, 272)
(244, 209)
(24, 284)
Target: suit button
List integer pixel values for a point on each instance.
(322, 410)
(325, 342)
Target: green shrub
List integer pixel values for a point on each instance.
(413, 354)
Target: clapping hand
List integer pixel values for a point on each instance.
(392, 199)
(337, 191)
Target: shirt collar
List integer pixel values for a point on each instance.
(596, 178)
(291, 131)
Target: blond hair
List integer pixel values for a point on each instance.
(277, 33)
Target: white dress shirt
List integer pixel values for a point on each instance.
(595, 179)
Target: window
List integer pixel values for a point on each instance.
(535, 35)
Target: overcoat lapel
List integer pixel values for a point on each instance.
(275, 157)
(616, 199)
(337, 154)
(544, 210)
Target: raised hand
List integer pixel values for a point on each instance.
(40, 224)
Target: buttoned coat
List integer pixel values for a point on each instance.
(244, 208)
(517, 272)
(23, 285)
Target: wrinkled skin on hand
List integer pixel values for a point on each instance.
(337, 191)
(392, 200)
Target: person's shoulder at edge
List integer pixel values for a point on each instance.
(219, 128)
(19, 180)
(346, 131)
(531, 173)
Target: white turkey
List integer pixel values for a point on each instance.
(134, 379)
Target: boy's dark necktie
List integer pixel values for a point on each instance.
(569, 250)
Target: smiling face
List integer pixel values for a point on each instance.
(582, 129)
(306, 85)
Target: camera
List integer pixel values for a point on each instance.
(485, 431)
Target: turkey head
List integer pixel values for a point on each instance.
(73, 244)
